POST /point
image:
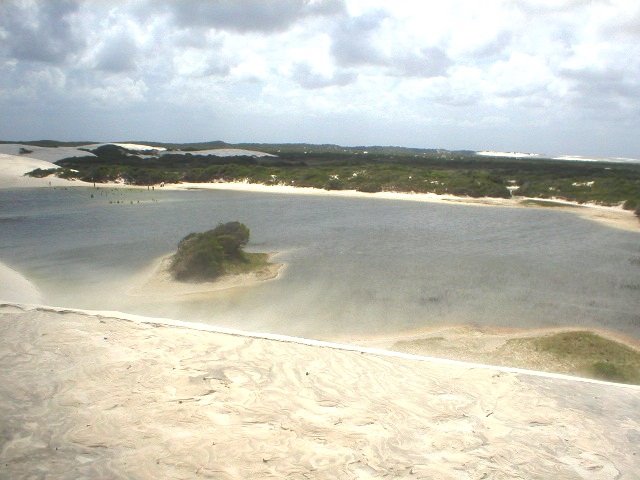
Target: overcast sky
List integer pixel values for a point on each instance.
(547, 76)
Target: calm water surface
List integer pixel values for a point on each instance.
(354, 266)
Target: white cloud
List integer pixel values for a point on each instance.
(460, 65)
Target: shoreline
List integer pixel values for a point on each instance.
(615, 217)
(611, 216)
(103, 315)
(502, 346)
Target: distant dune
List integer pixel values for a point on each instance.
(224, 152)
(13, 168)
(489, 153)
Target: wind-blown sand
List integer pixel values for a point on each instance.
(96, 396)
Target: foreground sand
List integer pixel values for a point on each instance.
(87, 396)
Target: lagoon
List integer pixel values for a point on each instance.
(354, 266)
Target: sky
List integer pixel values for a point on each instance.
(545, 76)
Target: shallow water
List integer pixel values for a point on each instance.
(354, 266)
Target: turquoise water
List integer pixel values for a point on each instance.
(354, 266)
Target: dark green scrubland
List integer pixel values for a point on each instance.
(367, 169)
(208, 255)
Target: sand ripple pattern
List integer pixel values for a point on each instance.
(92, 397)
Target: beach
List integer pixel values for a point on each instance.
(161, 399)
(615, 217)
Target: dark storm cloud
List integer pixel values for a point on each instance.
(250, 15)
(40, 32)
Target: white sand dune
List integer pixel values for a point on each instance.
(16, 288)
(96, 396)
(220, 152)
(137, 146)
(580, 158)
(44, 153)
(223, 152)
(13, 168)
(491, 153)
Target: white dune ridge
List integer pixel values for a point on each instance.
(166, 399)
(14, 287)
(222, 152)
(490, 153)
(137, 146)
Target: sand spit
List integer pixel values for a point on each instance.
(95, 396)
(157, 282)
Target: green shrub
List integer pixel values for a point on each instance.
(334, 184)
(594, 355)
(41, 173)
(604, 370)
(207, 255)
(369, 188)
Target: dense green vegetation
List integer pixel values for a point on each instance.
(368, 169)
(593, 355)
(208, 255)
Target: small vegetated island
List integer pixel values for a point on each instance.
(206, 256)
